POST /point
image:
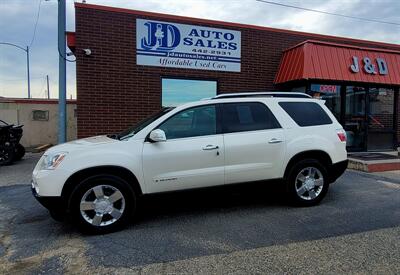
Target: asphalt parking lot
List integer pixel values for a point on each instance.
(355, 230)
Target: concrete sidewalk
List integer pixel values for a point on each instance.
(20, 172)
(368, 163)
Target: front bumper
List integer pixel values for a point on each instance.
(49, 183)
(53, 204)
(337, 169)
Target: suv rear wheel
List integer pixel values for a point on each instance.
(307, 182)
(102, 204)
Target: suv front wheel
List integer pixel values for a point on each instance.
(102, 204)
(307, 182)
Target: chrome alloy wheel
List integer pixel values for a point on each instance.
(309, 183)
(102, 205)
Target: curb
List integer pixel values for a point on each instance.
(374, 166)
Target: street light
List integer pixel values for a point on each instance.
(27, 62)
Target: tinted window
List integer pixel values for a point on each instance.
(197, 121)
(247, 116)
(306, 113)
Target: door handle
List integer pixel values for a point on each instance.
(275, 140)
(210, 147)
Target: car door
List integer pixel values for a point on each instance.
(192, 155)
(254, 142)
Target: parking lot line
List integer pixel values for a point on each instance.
(390, 184)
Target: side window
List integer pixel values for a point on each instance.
(247, 116)
(306, 113)
(193, 122)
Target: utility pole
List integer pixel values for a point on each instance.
(62, 118)
(48, 89)
(28, 73)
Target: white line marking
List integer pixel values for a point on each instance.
(390, 184)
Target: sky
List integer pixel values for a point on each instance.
(17, 20)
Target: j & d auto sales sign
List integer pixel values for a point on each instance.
(167, 44)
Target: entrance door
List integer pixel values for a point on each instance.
(355, 122)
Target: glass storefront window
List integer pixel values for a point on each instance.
(355, 123)
(329, 93)
(381, 107)
(367, 114)
(380, 118)
(179, 91)
(355, 101)
(301, 89)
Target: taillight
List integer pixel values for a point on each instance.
(342, 135)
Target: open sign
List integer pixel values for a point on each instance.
(328, 89)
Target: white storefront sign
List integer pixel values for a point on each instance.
(167, 44)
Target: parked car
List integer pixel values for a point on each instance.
(228, 139)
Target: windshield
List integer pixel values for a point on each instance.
(142, 124)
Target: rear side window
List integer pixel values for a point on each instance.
(247, 116)
(306, 113)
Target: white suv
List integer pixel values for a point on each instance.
(232, 138)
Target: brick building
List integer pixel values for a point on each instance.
(137, 61)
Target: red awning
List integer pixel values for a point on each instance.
(318, 60)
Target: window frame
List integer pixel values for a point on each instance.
(279, 126)
(217, 118)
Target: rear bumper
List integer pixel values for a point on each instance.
(337, 169)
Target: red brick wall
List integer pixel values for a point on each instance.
(114, 93)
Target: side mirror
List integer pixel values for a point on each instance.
(157, 135)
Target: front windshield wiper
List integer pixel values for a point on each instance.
(113, 136)
(120, 137)
(125, 137)
(138, 127)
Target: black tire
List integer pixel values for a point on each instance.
(109, 184)
(295, 185)
(6, 154)
(57, 215)
(19, 152)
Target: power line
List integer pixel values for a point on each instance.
(329, 13)
(36, 22)
(34, 34)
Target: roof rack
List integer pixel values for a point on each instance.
(263, 94)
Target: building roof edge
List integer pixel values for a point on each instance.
(229, 24)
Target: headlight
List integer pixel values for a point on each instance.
(51, 161)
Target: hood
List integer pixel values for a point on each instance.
(91, 141)
(81, 143)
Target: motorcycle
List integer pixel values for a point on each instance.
(10, 148)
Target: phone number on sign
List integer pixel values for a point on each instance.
(212, 52)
